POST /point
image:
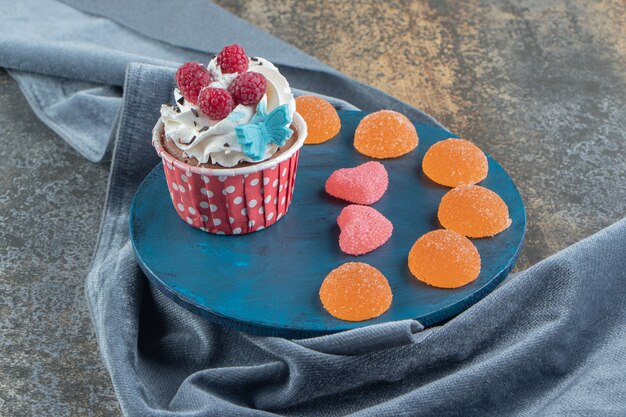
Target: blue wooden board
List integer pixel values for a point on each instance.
(267, 282)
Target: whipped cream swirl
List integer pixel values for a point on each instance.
(215, 141)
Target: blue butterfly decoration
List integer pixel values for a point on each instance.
(263, 129)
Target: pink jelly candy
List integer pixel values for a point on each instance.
(364, 184)
(363, 229)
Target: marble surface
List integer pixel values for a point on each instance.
(538, 84)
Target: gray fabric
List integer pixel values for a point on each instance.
(549, 341)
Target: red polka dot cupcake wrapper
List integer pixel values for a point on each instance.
(232, 201)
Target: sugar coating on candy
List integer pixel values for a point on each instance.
(355, 291)
(385, 134)
(473, 211)
(363, 229)
(321, 118)
(444, 259)
(453, 162)
(364, 184)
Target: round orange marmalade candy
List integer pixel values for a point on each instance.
(385, 134)
(453, 162)
(473, 211)
(355, 291)
(321, 118)
(444, 259)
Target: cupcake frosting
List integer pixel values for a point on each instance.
(215, 141)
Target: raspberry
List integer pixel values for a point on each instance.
(248, 88)
(192, 77)
(232, 59)
(216, 103)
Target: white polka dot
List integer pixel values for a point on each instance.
(184, 178)
(231, 220)
(261, 210)
(219, 232)
(213, 208)
(221, 178)
(175, 186)
(275, 183)
(181, 207)
(251, 223)
(189, 220)
(266, 181)
(279, 216)
(280, 189)
(188, 173)
(237, 231)
(230, 189)
(284, 172)
(237, 200)
(274, 167)
(189, 186)
(270, 215)
(245, 175)
(260, 228)
(191, 210)
(181, 189)
(217, 222)
(244, 212)
(205, 178)
(204, 204)
(283, 201)
(170, 166)
(254, 182)
(268, 199)
(204, 229)
(252, 203)
(204, 218)
(276, 201)
(223, 192)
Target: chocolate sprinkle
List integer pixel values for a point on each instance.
(194, 111)
(204, 128)
(192, 139)
(226, 145)
(181, 100)
(255, 59)
(194, 124)
(176, 109)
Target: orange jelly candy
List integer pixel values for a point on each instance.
(453, 162)
(473, 211)
(321, 118)
(444, 259)
(385, 134)
(355, 291)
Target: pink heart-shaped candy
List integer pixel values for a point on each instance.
(364, 184)
(363, 229)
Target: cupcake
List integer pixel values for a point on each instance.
(230, 143)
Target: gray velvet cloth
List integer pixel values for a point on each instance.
(549, 341)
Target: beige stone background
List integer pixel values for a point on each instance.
(539, 85)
